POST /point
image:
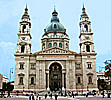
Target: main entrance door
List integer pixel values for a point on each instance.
(55, 77)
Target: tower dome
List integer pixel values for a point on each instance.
(55, 25)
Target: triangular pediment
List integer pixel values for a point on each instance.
(55, 50)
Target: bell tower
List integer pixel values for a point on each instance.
(86, 35)
(24, 36)
(87, 52)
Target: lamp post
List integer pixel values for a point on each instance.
(11, 72)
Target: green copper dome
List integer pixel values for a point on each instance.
(55, 25)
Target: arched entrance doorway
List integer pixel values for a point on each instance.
(55, 77)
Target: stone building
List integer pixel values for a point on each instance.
(55, 67)
(3, 79)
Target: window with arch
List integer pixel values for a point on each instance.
(50, 45)
(21, 80)
(86, 28)
(89, 79)
(55, 44)
(66, 45)
(32, 80)
(78, 80)
(43, 45)
(60, 45)
(55, 26)
(22, 49)
(24, 27)
(88, 48)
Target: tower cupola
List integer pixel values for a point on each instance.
(25, 15)
(84, 16)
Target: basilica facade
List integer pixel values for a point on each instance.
(55, 67)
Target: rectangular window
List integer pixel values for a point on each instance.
(32, 80)
(32, 66)
(89, 66)
(21, 66)
(21, 81)
(79, 81)
(78, 66)
(89, 80)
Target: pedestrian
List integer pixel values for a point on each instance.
(45, 96)
(103, 93)
(33, 97)
(56, 97)
(29, 97)
(37, 96)
(51, 95)
(65, 93)
(73, 95)
(86, 95)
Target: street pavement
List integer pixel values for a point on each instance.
(14, 98)
(59, 98)
(79, 98)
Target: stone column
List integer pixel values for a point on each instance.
(63, 81)
(48, 81)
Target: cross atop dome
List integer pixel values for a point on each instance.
(83, 9)
(54, 13)
(26, 10)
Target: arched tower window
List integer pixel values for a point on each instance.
(55, 44)
(86, 28)
(79, 81)
(32, 80)
(60, 45)
(90, 79)
(24, 27)
(50, 45)
(22, 49)
(87, 48)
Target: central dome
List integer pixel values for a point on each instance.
(55, 25)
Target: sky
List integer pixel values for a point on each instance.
(11, 11)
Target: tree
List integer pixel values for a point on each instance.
(7, 87)
(107, 72)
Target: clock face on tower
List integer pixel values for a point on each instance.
(23, 39)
